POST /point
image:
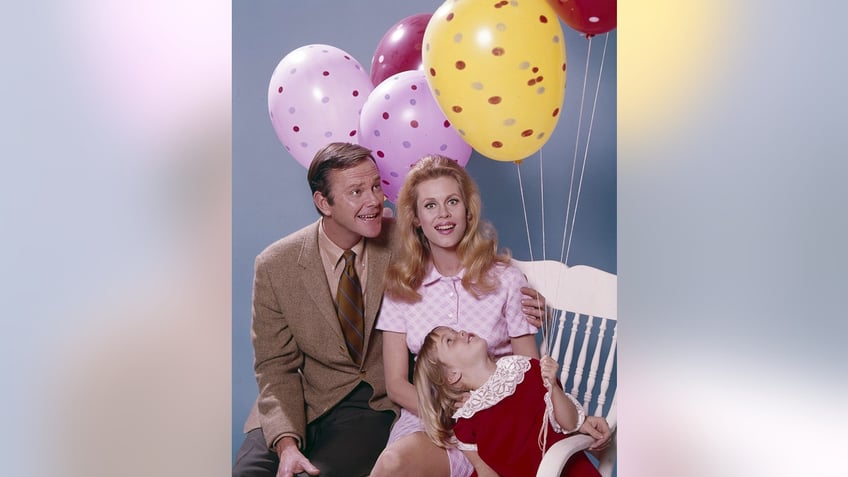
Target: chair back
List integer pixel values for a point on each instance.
(582, 333)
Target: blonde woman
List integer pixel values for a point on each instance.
(445, 271)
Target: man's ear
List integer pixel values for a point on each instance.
(322, 203)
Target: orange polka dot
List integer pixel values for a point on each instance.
(432, 72)
(531, 82)
(495, 100)
(457, 109)
(498, 51)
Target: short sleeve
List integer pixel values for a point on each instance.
(466, 437)
(392, 316)
(512, 279)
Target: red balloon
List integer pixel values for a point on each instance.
(591, 17)
(400, 48)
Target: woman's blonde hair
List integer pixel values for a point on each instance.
(477, 250)
(436, 395)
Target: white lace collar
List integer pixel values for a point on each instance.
(508, 375)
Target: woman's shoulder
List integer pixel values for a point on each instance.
(508, 270)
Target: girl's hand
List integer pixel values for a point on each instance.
(549, 370)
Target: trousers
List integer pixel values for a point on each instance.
(345, 442)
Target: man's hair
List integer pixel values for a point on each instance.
(333, 157)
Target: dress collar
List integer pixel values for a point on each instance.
(509, 373)
(434, 276)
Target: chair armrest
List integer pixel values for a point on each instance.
(559, 453)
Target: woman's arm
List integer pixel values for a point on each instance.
(525, 346)
(482, 468)
(396, 368)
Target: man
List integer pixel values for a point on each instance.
(317, 407)
(322, 402)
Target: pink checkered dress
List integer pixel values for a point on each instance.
(496, 317)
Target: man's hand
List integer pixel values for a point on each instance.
(533, 306)
(292, 462)
(598, 428)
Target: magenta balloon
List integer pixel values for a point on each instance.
(314, 98)
(400, 48)
(400, 122)
(591, 17)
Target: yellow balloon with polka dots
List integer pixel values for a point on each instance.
(497, 70)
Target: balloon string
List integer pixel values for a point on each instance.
(588, 140)
(524, 207)
(542, 193)
(549, 340)
(529, 243)
(545, 325)
(574, 160)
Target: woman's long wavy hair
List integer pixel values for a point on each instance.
(436, 395)
(477, 250)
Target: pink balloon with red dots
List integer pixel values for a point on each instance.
(315, 97)
(400, 123)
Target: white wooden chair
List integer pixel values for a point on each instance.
(584, 341)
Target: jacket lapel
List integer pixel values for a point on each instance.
(315, 281)
(379, 255)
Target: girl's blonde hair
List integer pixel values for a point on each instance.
(477, 250)
(436, 395)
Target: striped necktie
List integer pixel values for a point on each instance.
(350, 308)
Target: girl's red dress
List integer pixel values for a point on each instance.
(502, 420)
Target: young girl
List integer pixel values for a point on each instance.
(516, 407)
(446, 271)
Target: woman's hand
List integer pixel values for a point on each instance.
(533, 306)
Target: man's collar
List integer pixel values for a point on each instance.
(333, 251)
